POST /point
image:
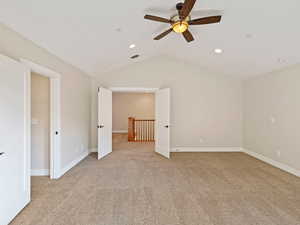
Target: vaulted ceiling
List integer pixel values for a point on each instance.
(255, 36)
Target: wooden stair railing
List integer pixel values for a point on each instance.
(140, 130)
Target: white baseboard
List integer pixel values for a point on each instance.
(93, 150)
(272, 162)
(73, 163)
(40, 172)
(206, 149)
(120, 131)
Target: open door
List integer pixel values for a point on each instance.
(104, 122)
(14, 138)
(162, 122)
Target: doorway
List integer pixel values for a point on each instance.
(51, 137)
(40, 125)
(161, 123)
(133, 121)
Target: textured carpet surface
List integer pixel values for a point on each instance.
(135, 186)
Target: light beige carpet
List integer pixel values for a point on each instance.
(134, 186)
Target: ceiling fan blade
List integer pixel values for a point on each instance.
(206, 12)
(186, 8)
(205, 20)
(158, 37)
(188, 36)
(157, 19)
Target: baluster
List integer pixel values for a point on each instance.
(152, 127)
(141, 131)
(147, 130)
(136, 132)
(143, 134)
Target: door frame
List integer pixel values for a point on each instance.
(133, 89)
(136, 90)
(55, 112)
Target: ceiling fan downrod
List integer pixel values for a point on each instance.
(179, 6)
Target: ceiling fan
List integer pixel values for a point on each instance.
(181, 22)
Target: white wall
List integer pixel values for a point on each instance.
(75, 92)
(40, 128)
(138, 105)
(271, 116)
(206, 108)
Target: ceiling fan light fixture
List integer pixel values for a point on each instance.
(180, 26)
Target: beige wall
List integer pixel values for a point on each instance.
(75, 92)
(271, 116)
(40, 128)
(138, 105)
(206, 107)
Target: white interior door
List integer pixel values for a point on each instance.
(162, 122)
(104, 122)
(14, 139)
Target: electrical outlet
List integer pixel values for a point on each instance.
(80, 148)
(278, 153)
(201, 140)
(272, 119)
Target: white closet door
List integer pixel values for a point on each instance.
(104, 122)
(14, 139)
(162, 122)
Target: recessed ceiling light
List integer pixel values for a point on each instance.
(218, 50)
(132, 46)
(280, 60)
(248, 35)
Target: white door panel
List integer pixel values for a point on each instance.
(14, 144)
(104, 122)
(162, 122)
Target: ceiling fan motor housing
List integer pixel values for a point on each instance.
(176, 18)
(179, 6)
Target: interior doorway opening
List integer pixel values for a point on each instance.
(51, 131)
(40, 125)
(133, 121)
(161, 121)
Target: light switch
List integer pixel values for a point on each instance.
(34, 121)
(201, 139)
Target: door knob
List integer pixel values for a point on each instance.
(167, 126)
(2, 153)
(101, 126)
